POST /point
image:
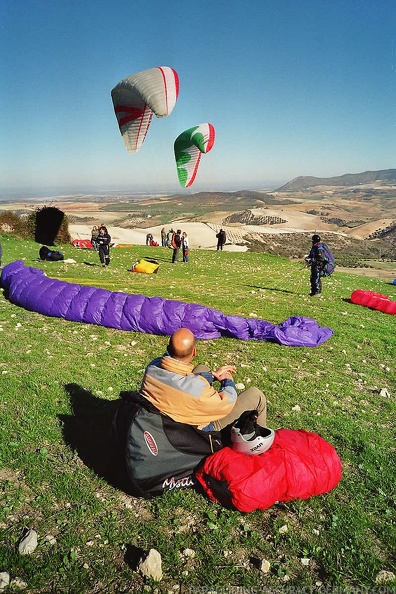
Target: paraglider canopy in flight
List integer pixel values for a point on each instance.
(189, 146)
(138, 96)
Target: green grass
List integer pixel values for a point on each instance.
(59, 384)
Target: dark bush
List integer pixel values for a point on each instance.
(27, 228)
(13, 224)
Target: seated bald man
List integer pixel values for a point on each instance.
(186, 393)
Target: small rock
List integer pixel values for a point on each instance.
(189, 553)
(265, 566)
(151, 566)
(384, 392)
(28, 542)
(4, 580)
(19, 583)
(240, 386)
(305, 561)
(50, 539)
(384, 576)
(297, 407)
(283, 529)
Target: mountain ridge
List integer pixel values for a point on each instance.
(301, 182)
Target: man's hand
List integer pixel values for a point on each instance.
(224, 372)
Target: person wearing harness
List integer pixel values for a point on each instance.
(103, 241)
(316, 260)
(186, 393)
(176, 244)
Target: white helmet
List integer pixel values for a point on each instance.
(249, 438)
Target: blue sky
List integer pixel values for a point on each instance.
(292, 87)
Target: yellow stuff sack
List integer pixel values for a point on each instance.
(145, 266)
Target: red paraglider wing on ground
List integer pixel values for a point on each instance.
(82, 243)
(374, 301)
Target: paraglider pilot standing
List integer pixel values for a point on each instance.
(176, 244)
(316, 260)
(221, 239)
(103, 241)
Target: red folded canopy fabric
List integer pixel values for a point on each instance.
(298, 465)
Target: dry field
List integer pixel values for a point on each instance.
(351, 213)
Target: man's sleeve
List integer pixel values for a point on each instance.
(227, 386)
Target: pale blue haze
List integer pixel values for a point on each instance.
(292, 87)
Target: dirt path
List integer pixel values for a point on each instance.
(385, 275)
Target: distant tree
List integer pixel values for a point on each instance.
(63, 235)
(13, 224)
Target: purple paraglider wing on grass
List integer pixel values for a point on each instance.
(32, 289)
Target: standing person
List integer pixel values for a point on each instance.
(169, 237)
(186, 393)
(164, 242)
(104, 240)
(221, 239)
(176, 244)
(316, 260)
(94, 237)
(184, 239)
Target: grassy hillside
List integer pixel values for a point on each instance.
(59, 383)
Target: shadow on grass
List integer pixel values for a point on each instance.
(133, 556)
(280, 290)
(88, 432)
(92, 263)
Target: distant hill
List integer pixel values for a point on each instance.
(248, 196)
(386, 176)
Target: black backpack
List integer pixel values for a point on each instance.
(50, 255)
(157, 454)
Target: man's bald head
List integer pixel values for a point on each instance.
(182, 344)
